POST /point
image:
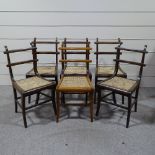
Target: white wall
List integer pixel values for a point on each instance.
(131, 20)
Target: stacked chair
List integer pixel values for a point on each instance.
(25, 87)
(121, 85)
(75, 79)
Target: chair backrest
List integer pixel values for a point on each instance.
(101, 51)
(11, 64)
(141, 63)
(75, 48)
(53, 49)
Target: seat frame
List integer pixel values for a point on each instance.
(77, 90)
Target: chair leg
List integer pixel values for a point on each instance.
(95, 93)
(23, 110)
(56, 79)
(63, 98)
(15, 98)
(29, 99)
(129, 111)
(91, 105)
(37, 98)
(98, 102)
(114, 97)
(136, 99)
(86, 99)
(53, 99)
(122, 99)
(58, 106)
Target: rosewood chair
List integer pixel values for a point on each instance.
(104, 49)
(45, 50)
(74, 50)
(29, 86)
(75, 84)
(46, 70)
(123, 86)
(75, 59)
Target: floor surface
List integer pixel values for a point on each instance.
(75, 134)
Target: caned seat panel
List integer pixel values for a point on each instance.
(31, 83)
(120, 83)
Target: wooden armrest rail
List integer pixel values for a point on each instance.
(21, 62)
(106, 53)
(129, 62)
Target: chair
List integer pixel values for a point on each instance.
(29, 86)
(71, 50)
(123, 86)
(75, 81)
(46, 70)
(105, 71)
(75, 85)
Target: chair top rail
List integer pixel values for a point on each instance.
(107, 42)
(45, 42)
(76, 42)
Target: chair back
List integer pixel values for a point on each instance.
(73, 49)
(41, 50)
(139, 63)
(11, 64)
(101, 48)
(72, 52)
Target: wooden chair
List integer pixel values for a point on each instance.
(46, 70)
(123, 86)
(74, 81)
(71, 50)
(105, 71)
(75, 85)
(75, 59)
(29, 86)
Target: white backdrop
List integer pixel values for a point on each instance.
(131, 20)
